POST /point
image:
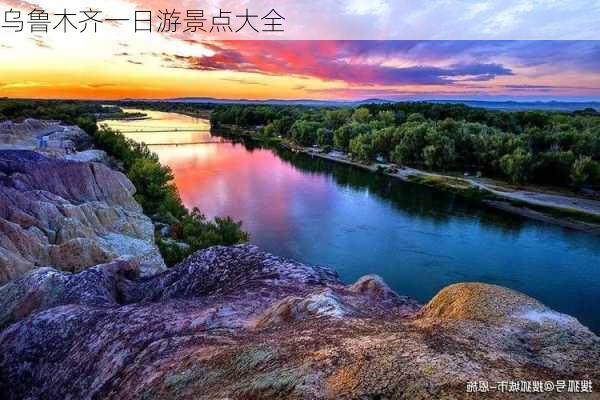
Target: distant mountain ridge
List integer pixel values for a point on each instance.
(553, 105)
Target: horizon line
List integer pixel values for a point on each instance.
(567, 99)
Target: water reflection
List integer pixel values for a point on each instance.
(413, 199)
(417, 238)
(154, 129)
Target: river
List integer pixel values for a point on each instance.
(418, 239)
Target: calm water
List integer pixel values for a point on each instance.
(418, 239)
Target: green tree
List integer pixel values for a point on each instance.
(582, 170)
(412, 141)
(416, 117)
(151, 180)
(387, 118)
(361, 147)
(517, 166)
(324, 137)
(383, 140)
(268, 130)
(553, 166)
(361, 115)
(343, 135)
(283, 125)
(334, 119)
(439, 154)
(230, 232)
(305, 132)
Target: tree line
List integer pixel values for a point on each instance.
(546, 147)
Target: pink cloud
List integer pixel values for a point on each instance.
(330, 61)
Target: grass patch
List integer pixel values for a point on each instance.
(446, 183)
(557, 212)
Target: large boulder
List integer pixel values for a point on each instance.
(234, 322)
(68, 215)
(58, 138)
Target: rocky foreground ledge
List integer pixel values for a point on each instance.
(234, 322)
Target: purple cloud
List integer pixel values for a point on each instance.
(335, 60)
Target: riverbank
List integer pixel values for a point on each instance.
(569, 212)
(582, 214)
(577, 213)
(118, 114)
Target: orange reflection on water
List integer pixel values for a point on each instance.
(221, 179)
(156, 121)
(226, 179)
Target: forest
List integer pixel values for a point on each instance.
(542, 147)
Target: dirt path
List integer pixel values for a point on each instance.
(578, 204)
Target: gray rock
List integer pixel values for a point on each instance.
(58, 139)
(98, 156)
(68, 215)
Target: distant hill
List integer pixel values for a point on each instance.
(273, 102)
(498, 105)
(525, 105)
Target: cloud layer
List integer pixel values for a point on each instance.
(395, 19)
(334, 60)
(183, 64)
(456, 65)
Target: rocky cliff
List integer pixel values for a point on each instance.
(61, 208)
(242, 324)
(68, 215)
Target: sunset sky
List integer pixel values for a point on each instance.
(115, 62)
